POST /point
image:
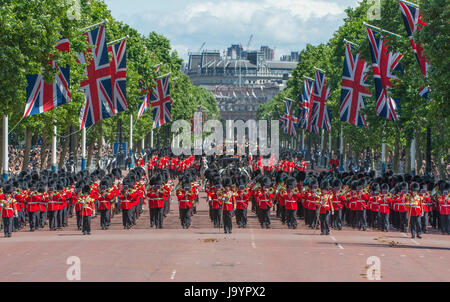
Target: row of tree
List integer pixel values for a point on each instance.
(416, 113)
(28, 32)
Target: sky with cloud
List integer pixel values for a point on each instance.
(287, 25)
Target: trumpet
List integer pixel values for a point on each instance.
(271, 190)
(295, 191)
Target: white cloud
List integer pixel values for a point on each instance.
(285, 24)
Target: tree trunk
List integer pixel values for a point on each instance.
(396, 152)
(62, 156)
(44, 150)
(419, 154)
(90, 151)
(408, 159)
(26, 152)
(100, 141)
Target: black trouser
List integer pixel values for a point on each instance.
(227, 220)
(415, 226)
(185, 217)
(241, 217)
(445, 223)
(300, 210)
(403, 221)
(336, 219)
(7, 225)
(283, 214)
(291, 218)
(265, 217)
(18, 221)
(64, 216)
(78, 214)
(216, 213)
(315, 218)
(152, 217)
(59, 218)
(423, 222)
(324, 223)
(105, 218)
(360, 218)
(159, 212)
(70, 212)
(384, 221)
(166, 207)
(33, 217)
(52, 219)
(42, 218)
(211, 216)
(86, 224)
(435, 219)
(126, 219)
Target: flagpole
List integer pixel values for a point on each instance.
(341, 151)
(131, 141)
(348, 42)
(308, 78)
(117, 41)
(83, 147)
(413, 156)
(95, 25)
(329, 144)
(383, 153)
(5, 148)
(382, 30)
(322, 146)
(303, 140)
(316, 68)
(54, 148)
(412, 4)
(151, 139)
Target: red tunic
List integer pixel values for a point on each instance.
(185, 199)
(242, 199)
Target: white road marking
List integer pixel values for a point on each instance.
(421, 256)
(360, 254)
(340, 246)
(415, 242)
(332, 237)
(173, 275)
(404, 235)
(253, 239)
(402, 255)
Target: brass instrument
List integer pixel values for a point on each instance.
(270, 191)
(295, 191)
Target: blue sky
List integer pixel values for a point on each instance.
(287, 25)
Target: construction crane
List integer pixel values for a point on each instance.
(249, 41)
(203, 45)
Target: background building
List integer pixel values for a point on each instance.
(240, 80)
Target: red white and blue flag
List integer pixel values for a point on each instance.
(98, 86)
(290, 121)
(384, 63)
(319, 109)
(145, 105)
(161, 102)
(42, 96)
(412, 18)
(354, 89)
(308, 92)
(119, 76)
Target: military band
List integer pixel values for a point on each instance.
(232, 184)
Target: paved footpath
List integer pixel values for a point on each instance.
(203, 253)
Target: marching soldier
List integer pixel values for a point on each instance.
(325, 206)
(156, 200)
(8, 210)
(87, 210)
(242, 198)
(54, 198)
(290, 197)
(105, 198)
(228, 205)
(264, 199)
(33, 201)
(185, 197)
(385, 202)
(444, 208)
(337, 200)
(427, 207)
(216, 203)
(415, 211)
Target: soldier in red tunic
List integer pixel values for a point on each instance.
(8, 209)
(444, 207)
(228, 204)
(415, 209)
(291, 197)
(156, 200)
(105, 197)
(385, 202)
(54, 198)
(337, 199)
(242, 198)
(325, 206)
(427, 207)
(264, 199)
(185, 197)
(32, 204)
(87, 210)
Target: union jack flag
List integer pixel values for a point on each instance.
(119, 76)
(308, 92)
(383, 64)
(98, 87)
(42, 96)
(412, 18)
(290, 121)
(144, 106)
(161, 102)
(320, 98)
(354, 89)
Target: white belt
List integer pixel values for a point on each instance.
(228, 202)
(185, 200)
(290, 201)
(445, 205)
